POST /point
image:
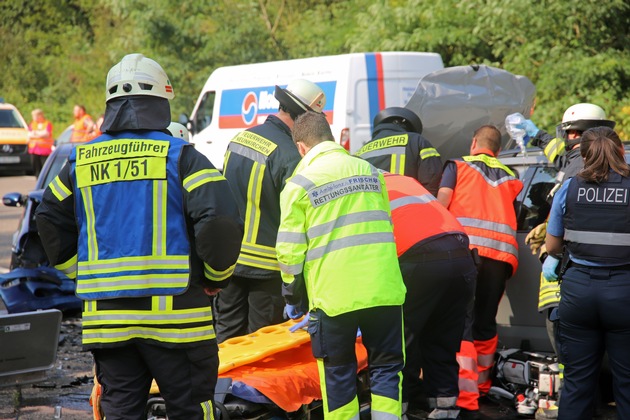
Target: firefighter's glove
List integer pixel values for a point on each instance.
(302, 324)
(293, 311)
(529, 127)
(536, 237)
(549, 268)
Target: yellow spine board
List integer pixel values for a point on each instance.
(239, 351)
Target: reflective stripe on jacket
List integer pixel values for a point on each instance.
(483, 202)
(257, 163)
(548, 294)
(144, 251)
(211, 231)
(416, 214)
(394, 150)
(336, 231)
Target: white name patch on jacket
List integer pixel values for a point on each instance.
(322, 195)
(603, 195)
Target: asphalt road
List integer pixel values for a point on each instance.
(10, 216)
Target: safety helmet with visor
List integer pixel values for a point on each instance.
(405, 117)
(581, 117)
(136, 74)
(178, 130)
(300, 96)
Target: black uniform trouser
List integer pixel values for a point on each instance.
(247, 305)
(333, 344)
(440, 278)
(594, 316)
(38, 163)
(186, 378)
(481, 323)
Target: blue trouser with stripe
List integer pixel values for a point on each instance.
(594, 316)
(333, 344)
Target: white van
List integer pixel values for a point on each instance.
(357, 87)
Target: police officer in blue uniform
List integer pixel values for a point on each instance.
(590, 219)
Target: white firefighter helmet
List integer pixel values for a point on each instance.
(300, 96)
(136, 74)
(178, 130)
(581, 117)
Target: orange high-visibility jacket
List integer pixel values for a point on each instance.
(483, 202)
(41, 145)
(416, 214)
(79, 130)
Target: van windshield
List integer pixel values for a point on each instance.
(9, 119)
(203, 118)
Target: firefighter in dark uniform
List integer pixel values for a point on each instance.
(257, 164)
(439, 272)
(150, 230)
(590, 219)
(397, 146)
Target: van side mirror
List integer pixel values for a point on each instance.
(185, 121)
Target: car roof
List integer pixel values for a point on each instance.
(535, 155)
(531, 156)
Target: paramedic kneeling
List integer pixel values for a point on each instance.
(590, 218)
(336, 248)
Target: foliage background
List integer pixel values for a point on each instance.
(56, 53)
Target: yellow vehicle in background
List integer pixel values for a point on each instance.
(14, 154)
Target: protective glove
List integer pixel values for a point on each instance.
(293, 311)
(536, 237)
(530, 128)
(302, 324)
(549, 268)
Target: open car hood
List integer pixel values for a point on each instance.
(452, 103)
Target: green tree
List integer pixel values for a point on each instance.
(57, 52)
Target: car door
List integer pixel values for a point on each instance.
(519, 323)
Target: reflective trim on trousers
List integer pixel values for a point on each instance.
(208, 411)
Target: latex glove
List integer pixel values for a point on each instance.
(536, 237)
(530, 128)
(549, 268)
(293, 311)
(302, 324)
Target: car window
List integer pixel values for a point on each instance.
(9, 118)
(203, 117)
(536, 203)
(65, 136)
(57, 161)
